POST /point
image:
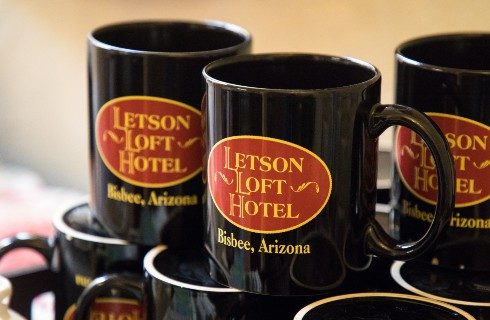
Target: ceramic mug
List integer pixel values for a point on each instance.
(145, 91)
(291, 148)
(177, 285)
(447, 77)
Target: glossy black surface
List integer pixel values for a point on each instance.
(447, 74)
(182, 301)
(328, 105)
(192, 267)
(382, 307)
(81, 260)
(197, 296)
(455, 286)
(159, 59)
(178, 286)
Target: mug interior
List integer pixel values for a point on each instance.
(379, 305)
(80, 219)
(459, 51)
(183, 268)
(154, 36)
(78, 222)
(443, 284)
(290, 71)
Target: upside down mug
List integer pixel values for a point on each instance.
(80, 251)
(175, 285)
(291, 149)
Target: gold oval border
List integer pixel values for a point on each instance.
(412, 191)
(121, 176)
(281, 142)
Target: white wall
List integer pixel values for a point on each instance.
(43, 86)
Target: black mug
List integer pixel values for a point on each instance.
(291, 142)
(145, 92)
(448, 78)
(177, 285)
(80, 251)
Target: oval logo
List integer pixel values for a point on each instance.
(150, 141)
(468, 141)
(111, 308)
(267, 185)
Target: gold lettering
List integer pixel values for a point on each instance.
(152, 122)
(280, 248)
(130, 163)
(251, 185)
(227, 159)
(466, 186)
(262, 163)
(482, 142)
(120, 194)
(426, 160)
(413, 211)
(234, 205)
(457, 221)
(460, 162)
(242, 207)
(423, 180)
(142, 142)
(231, 241)
(82, 281)
(466, 142)
(165, 199)
(116, 116)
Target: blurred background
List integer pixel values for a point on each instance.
(43, 76)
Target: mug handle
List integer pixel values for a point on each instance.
(132, 284)
(379, 119)
(26, 240)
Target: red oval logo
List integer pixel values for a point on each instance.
(468, 141)
(267, 185)
(111, 308)
(149, 141)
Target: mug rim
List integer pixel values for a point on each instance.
(404, 58)
(395, 271)
(376, 75)
(150, 268)
(301, 313)
(205, 24)
(70, 233)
